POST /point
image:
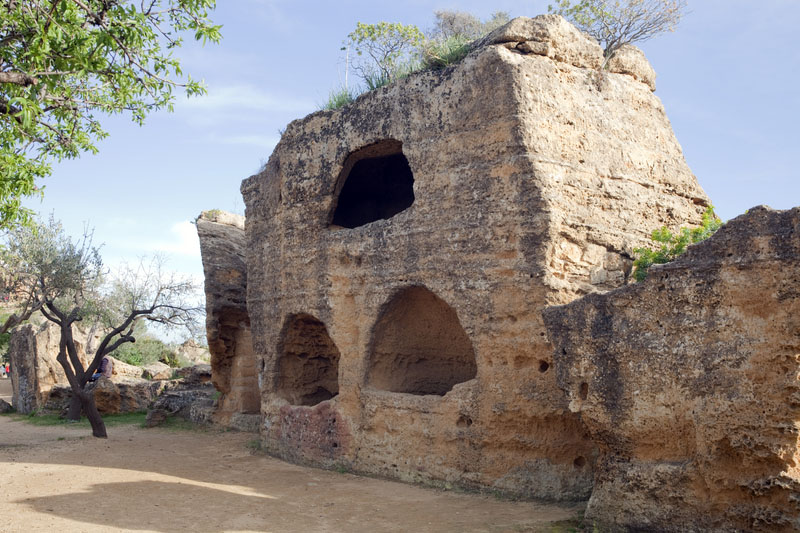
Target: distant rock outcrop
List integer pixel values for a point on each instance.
(32, 350)
(689, 383)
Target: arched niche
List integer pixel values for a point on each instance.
(375, 183)
(308, 362)
(418, 346)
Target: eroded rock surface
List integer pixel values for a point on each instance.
(689, 383)
(120, 395)
(468, 200)
(32, 350)
(233, 364)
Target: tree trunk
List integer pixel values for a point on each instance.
(85, 398)
(90, 408)
(75, 406)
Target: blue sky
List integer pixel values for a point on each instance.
(729, 77)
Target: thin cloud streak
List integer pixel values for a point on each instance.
(243, 97)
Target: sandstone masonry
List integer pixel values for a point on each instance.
(400, 251)
(689, 384)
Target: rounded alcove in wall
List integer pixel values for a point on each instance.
(375, 183)
(418, 346)
(308, 362)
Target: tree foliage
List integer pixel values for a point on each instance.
(388, 51)
(673, 244)
(66, 281)
(383, 50)
(615, 23)
(63, 62)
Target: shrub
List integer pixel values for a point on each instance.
(145, 351)
(383, 49)
(673, 245)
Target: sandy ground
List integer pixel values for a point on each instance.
(58, 478)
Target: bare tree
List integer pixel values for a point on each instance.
(68, 284)
(615, 23)
(451, 24)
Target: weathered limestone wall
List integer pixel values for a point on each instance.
(234, 372)
(32, 350)
(533, 179)
(689, 383)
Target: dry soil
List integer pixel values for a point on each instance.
(58, 478)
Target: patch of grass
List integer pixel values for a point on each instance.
(440, 53)
(254, 445)
(577, 524)
(377, 79)
(339, 98)
(176, 423)
(124, 419)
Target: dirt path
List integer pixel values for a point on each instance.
(60, 479)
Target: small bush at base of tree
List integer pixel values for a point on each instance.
(673, 245)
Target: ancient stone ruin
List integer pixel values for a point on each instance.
(233, 363)
(689, 384)
(384, 302)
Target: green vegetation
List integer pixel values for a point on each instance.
(65, 280)
(440, 53)
(614, 23)
(55, 420)
(673, 245)
(146, 350)
(340, 98)
(386, 52)
(383, 50)
(5, 336)
(62, 62)
(254, 445)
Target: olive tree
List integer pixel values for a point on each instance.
(615, 23)
(67, 282)
(65, 62)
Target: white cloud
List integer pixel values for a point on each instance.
(263, 141)
(243, 98)
(183, 241)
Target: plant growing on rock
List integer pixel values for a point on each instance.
(63, 61)
(673, 244)
(615, 23)
(66, 281)
(384, 50)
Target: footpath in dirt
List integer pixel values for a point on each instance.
(59, 478)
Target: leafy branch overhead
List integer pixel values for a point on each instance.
(63, 62)
(614, 23)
